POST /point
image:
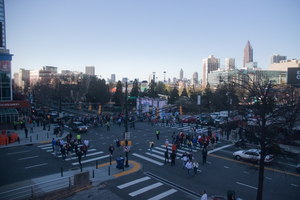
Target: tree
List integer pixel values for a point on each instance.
(160, 87)
(184, 93)
(260, 97)
(119, 95)
(192, 93)
(174, 96)
(98, 91)
(135, 91)
(152, 92)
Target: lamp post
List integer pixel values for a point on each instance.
(126, 124)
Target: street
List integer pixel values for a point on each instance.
(220, 174)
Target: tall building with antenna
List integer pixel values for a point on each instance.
(181, 74)
(248, 54)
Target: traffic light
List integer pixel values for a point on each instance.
(157, 112)
(99, 111)
(180, 110)
(90, 106)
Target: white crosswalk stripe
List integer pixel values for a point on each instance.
(87, 155)
(145, 189)
(163, 195)
(90, 160)
(133, 182)
(148, 159)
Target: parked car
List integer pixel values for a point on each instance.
(220, 120)
(252, 155)
(78, 126)
(54, 118)
(189, 119)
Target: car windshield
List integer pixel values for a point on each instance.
(79, 124)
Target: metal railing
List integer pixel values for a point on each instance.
(38, 189)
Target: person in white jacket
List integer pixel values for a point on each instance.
(204, 195)
(189, 166)
(195, 166)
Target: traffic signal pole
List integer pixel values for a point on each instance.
(126, 124)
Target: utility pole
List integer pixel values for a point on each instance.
(59, 97)
(126, 125)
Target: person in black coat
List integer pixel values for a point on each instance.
(79, 154)
(111, 149)
(204, 155)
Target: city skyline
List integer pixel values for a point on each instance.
(133, 39)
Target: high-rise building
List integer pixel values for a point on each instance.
(209, 64)
(276, 58)
(180, 74)
(90, 70)
(248, 54)
(113, 78)
(229, 63)
(194, 80)
(124, 80)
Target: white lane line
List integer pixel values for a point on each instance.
(163, 195)
(145, 189)
(86, 161)
(217, 149)
(28, 158)
(246, 172)
(226, 151)
(294, 185)
(36, 165)
(148, 159)
(45, 145)
(268, 178)
(18, 152)
(226, 167)
(199, 170)
(247, 185)
(133, 182)
(208, 162)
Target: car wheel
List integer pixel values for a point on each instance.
(238, 157)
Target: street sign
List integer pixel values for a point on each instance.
(126, 149)
(127, 135)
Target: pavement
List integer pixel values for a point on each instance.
(97, 176)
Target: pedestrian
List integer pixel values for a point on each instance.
(53, 143)
(189, 166)
(157, 134)
(217, 137)
(119, 121)
(173, 157)
(166, 143)
(174, 147)
(63, 153)
(26, 132)
(204, 195)
(108, 127)
(204, 155)
(79, 139)
(173, 138)
(76, 148)
(195, 165)
(86, 142)
(189, 143)
(166, 156)
(151, 145)
(31, 128)
(111, 149)
(184, 159)
(79, 155)
(61, 143)
(212, 143)
(190, 157)
(69, 149)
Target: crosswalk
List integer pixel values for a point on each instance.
(91, 155)
(147, 187)
(158, 154)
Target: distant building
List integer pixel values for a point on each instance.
(174, 80)
(248, 54)
(229, 63)
(181, 74)
(194, 80)
(251, 66)
(209, 64)
(90, 70)
(23, 79)
(49, 68)
(124, 80)
(65, 72)
(169, 81)
(113, 78)
(284, 64)
(276, 58)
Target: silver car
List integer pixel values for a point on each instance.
(252, 155)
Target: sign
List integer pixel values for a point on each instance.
(14, 104)
(127, 136)
(293, 76)
(126, 148)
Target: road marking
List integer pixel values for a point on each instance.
(28, 158)
(199, 170)
(156, 156)
(268, 178)
(36, 165)
(148, 159)
(208, 162)
(246, 172)
(217, 149)
(75, 153)
(133, 182)
(246, 185)
(226, 167)
(163, 195)
(45, 145)
(294, 185)
(145, 189)
(91, 154)
(18, 152)
(86, 161)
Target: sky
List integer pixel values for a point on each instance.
(133, 38)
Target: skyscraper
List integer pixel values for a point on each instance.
(229, 63)
(90, 70)
(113, 78)
(209, 64)
(248, 54)
(181, 74)
(194, 80)
(276, 58)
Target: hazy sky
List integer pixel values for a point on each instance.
(133, 38)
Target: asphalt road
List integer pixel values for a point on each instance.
(220, 174)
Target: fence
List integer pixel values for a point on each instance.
(38, 189)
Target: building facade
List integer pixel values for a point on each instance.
(248, 54)
(276, 58)
(284, 64)
(209, 64)
(229, 63)
(90, 70)
(194, 80)
(113, 78)
(181, 74)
